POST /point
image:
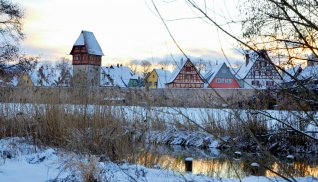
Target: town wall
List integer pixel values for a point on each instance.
(126, 96)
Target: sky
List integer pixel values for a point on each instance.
(125, 30)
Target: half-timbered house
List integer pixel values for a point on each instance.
(221, 77)
(186, 75)
(258, 71)
(87, 58)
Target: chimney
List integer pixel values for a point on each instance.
(247, 59)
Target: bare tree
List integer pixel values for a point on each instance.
(11, 33)
(133, 65)
(145, 66)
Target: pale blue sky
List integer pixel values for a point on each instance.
(125, 29)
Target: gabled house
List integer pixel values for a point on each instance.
(25, 80)
(157, 78)
(221, 76)
(185, 75)
(115, 76)
(258, 72)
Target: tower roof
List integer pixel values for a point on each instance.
(88, 40)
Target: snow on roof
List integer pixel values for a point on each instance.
(176, 71)
(292, 71)
(46, 75)
(14, 81)
(253, 57)
(116, 76)
(211, 74)
(234, 70)
(310, 72)
(88, 40)
(244, 69)
(163, 77)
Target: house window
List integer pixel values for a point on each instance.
(156, 83)
(219, 80)
(153, 76)
(188, 77)
(255, 82)
(269, 73)
(263, 64)
(228, 81)
(188, 68)
(269, 83)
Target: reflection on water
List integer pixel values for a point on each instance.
(227, 167)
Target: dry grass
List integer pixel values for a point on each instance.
(96, 132)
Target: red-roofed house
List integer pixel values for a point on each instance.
(221, 77)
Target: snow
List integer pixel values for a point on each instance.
(29, 163)
(309, 72)
(48, 75)
(188, 159)
(88, 40)
(290, 157)
(177, 70)
(292, 71)
(163, 77)
(244, 69)
(185, 138)
(80, 40)
(254, 164)
(14, 81)
(211, 74)
(116, 76)
(253, 57)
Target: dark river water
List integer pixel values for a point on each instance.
(220, 165)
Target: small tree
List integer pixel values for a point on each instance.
(145, 66)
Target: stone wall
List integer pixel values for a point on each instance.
(126, 96)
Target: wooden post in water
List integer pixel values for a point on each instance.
(188, 164)
(255, 169)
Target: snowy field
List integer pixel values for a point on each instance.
(26, 163)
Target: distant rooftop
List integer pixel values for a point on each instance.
(88, 40)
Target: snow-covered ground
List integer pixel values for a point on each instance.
(27, 163)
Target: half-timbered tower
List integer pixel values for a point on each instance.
(185, 76)
(221, 77)
(259, 71)
(87, 58)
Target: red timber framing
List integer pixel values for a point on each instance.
(188, 77)
(81, 57)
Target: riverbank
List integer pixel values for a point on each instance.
(21, 161)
